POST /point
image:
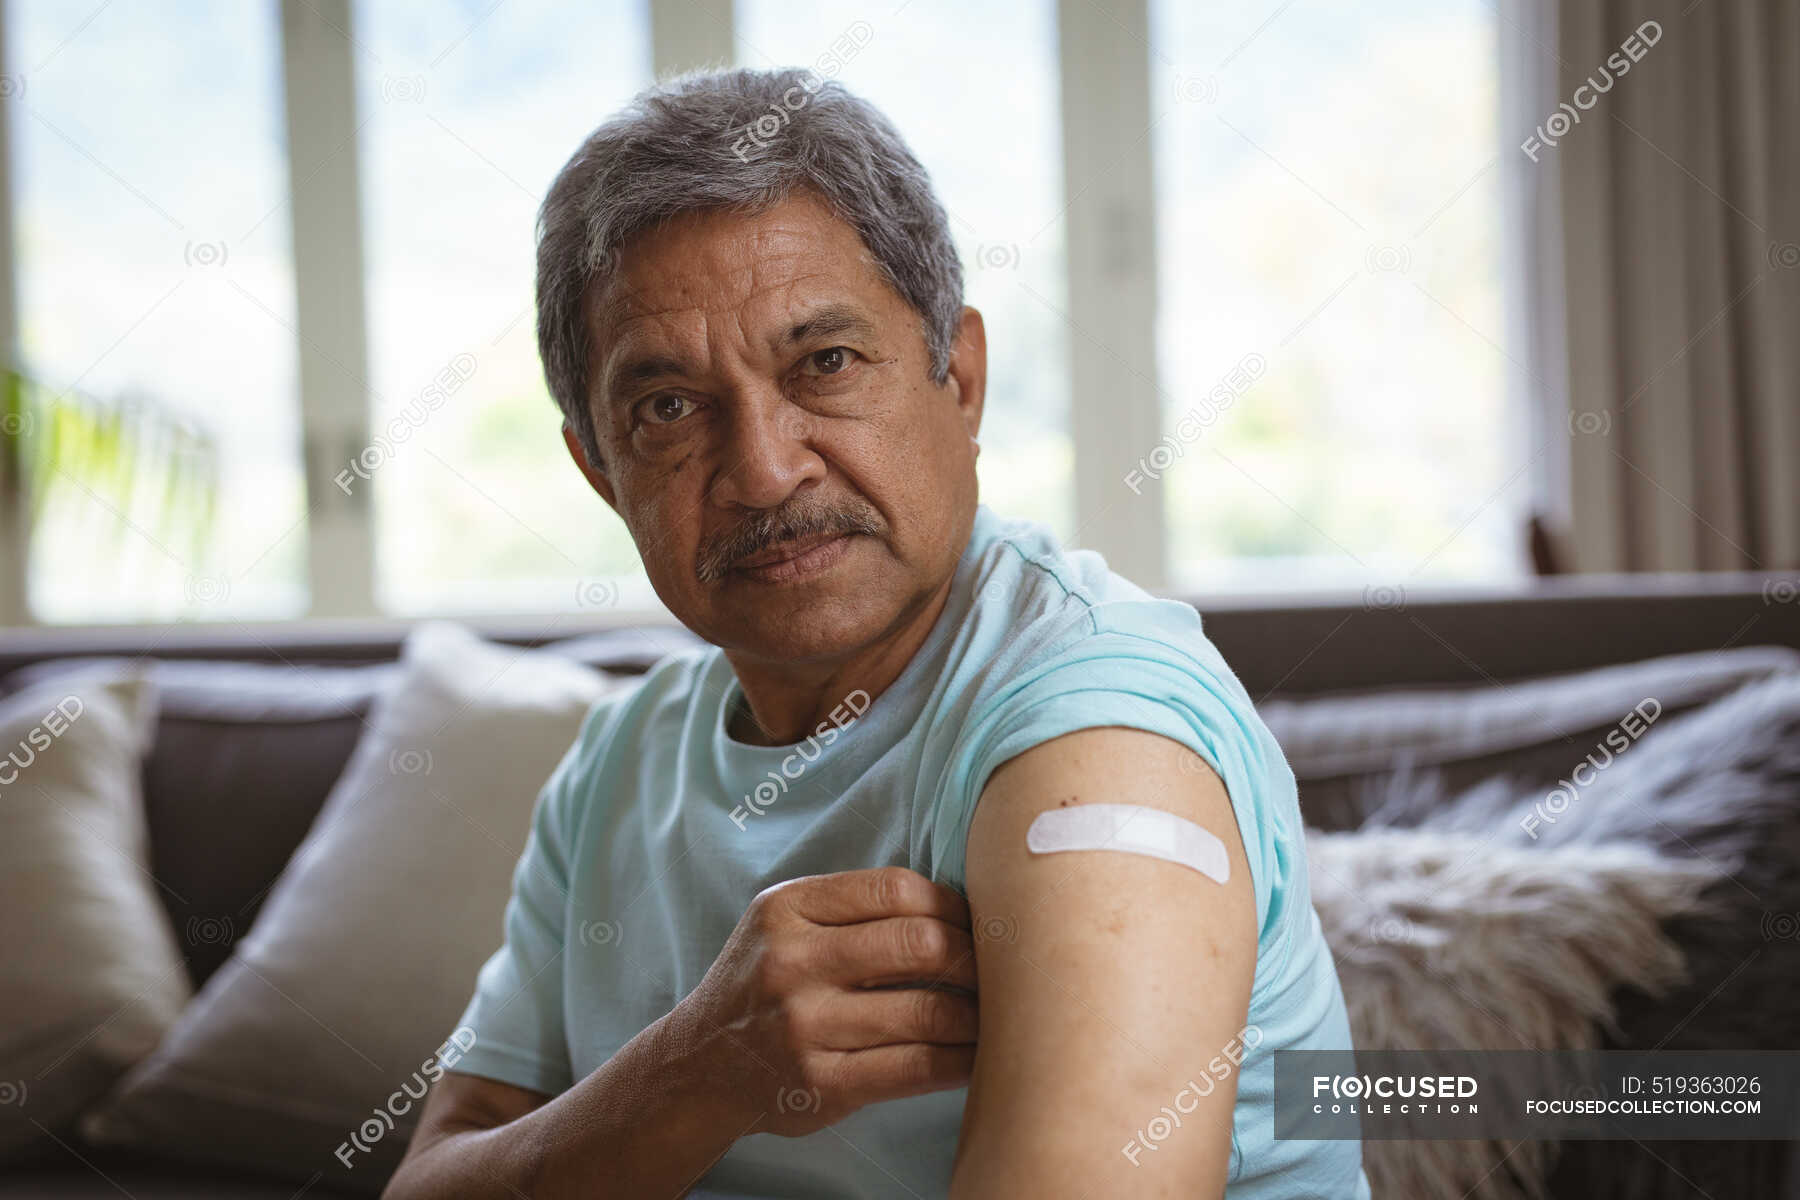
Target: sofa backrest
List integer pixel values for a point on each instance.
(257, 724)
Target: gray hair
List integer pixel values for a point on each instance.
(742, 141)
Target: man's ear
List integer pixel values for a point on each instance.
(595, 476)
(968, 368)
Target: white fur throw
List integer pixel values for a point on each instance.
(1447, 940)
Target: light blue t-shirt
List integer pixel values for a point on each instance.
(652, 836)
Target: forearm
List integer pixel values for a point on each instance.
(647, 1122)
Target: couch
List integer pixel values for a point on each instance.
(240, 765)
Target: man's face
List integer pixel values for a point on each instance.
(796, 484)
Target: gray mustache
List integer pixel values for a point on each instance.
(770, 527)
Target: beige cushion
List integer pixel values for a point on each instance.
(368, 947)
(90, 975)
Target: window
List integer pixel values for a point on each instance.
(1330, 318)
(1319, 253)
(471, 110)
(156, 301)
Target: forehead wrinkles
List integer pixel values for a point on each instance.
(709, 269)
(675, 282)
(710, 314)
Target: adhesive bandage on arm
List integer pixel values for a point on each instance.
(1131, 829)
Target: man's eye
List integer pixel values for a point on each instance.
(665, 409)
(828, 362)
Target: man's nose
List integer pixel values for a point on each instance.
(767, 455)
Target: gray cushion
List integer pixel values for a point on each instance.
(1348, 750)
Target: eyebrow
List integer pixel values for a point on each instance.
(830, 320)
(641, 370)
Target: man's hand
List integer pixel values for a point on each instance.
(824, 999)
(830, 994)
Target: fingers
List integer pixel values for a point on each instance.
(897, 950)
(847, 897)
(861, 1020)
(894, 1072)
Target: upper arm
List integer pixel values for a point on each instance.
(1111, 984)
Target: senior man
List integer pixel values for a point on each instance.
(738, 957)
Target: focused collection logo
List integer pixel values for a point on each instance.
(1378, 1095)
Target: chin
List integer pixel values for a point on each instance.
(795, 625)
(799, 630)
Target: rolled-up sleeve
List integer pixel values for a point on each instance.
(1124, 679)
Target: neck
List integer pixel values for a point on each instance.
(789, 701)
